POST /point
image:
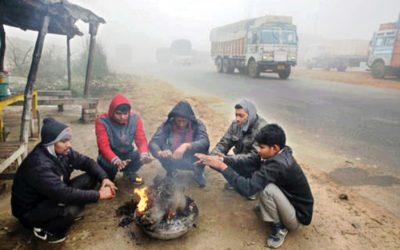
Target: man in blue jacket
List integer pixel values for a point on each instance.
(177, 139)
(286, 200)
(44, 198)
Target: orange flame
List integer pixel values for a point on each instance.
(142, 193)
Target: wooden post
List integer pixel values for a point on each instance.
(26, 112)
(93, 31)
(2, 46)
(69, 63)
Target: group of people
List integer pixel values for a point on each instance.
(47, 200)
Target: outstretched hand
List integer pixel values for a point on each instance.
(213, 161)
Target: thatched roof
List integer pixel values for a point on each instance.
(28, 15)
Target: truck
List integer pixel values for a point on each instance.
(384, 51)
(252, 46)
(336, 54)
(181, 52)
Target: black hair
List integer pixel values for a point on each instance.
(124, 108)
(271, 134)
(238, 106)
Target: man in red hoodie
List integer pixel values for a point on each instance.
(116, 131)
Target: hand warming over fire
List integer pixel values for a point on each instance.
(178, 153)
(107, 183)
(165, 153)
(121, 164)
(213, 161)
(106, 193)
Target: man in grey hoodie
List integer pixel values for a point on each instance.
(240, 137)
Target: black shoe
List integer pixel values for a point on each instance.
(47, 236)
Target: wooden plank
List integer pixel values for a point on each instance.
(52, 93)
(18, 153)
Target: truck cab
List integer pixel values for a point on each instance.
(383, 53)
(272, 48)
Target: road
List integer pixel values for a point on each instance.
(359, 125)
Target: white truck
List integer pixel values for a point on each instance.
(384, 51)
(264, 44)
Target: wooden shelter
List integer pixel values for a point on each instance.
(45, 16)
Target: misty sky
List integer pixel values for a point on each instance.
(143, 25)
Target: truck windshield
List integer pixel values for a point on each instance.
(270, 36)
(277, 36)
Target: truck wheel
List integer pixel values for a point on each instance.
(218, 65)
(378, 70)
(227, 66)
(284, 74)
(254, 71)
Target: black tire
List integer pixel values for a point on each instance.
(378, 70)
(253, 69)
(284, 74)
(218, 65)
(227, 66)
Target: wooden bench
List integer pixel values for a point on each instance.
(64, 97)
(11, 154)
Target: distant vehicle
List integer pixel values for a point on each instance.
(337, 54)
(384, 51)
(264, 44)
(163, 55)
(181, 52)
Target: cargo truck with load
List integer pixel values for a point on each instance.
(384, 51)
(336, 54)
(264, 44)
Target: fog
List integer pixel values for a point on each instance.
(135, 28)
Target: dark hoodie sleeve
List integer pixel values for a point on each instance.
(249, 186)
(84, 163)
(157, 141)
(201, 143)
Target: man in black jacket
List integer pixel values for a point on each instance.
(178, 138)
(286, 200)
(44, 198)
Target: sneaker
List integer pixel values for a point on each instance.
(47, 236)
(136, 180)
(252, 197)
(200, 179)
(228, 186)
(277, 236)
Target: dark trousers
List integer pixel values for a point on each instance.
(171, 166)
(57, 218)
(129, 171)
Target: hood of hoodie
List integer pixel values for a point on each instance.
(115, 102)
(182, 109)
(251, 110)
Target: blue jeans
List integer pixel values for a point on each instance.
(129, 171)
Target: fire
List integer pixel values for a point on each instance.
(142, 193)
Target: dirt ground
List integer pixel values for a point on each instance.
(226, 220)
(350, 76)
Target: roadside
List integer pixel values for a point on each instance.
(226, 220)
(353, 77)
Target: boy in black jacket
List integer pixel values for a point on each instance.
(286, 200)
(44, 198)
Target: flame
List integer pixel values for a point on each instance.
(142, 193)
